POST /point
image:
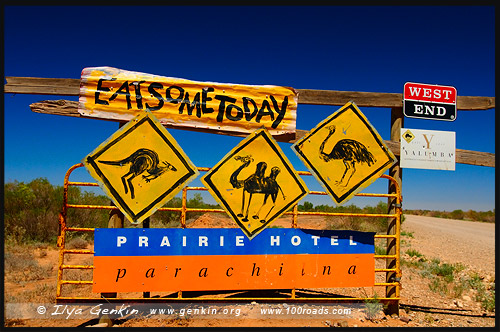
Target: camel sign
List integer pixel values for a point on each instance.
(255, 183)
(345, 153)
(140, 167)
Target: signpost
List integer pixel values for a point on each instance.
(205, 259)
(427, 101)
(345, 153)
(140, 167)
(255, 183)
(115, 94)
(428, 149)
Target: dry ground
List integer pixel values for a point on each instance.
(447, 304)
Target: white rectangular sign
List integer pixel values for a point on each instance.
(428, 149)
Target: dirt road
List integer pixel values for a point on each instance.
(453, 241)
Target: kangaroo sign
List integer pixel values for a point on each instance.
(140, 167)
(345, 153)
(255, 183)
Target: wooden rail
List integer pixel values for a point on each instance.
(71, 87)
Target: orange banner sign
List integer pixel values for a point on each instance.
(202, 259)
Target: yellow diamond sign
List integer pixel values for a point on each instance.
(345, 153)
(140, 167)
(408, 136)
(255, 183)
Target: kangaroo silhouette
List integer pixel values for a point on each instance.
(142, 160)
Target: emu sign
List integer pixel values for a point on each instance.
(345, 153)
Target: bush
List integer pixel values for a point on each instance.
(485, 216)
(457, 214)
(414, 253)
(21, 266)
(77, 243)
(31, 210)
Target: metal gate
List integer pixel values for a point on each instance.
(391, 272)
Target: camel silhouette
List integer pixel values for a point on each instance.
(142, 160)
(349, 151)
(256, 183)
(270, 188)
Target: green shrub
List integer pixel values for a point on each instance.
(413, 253)
(77, 243)
(457, 214)
(31, 210)
(438, 285)
(444, 270)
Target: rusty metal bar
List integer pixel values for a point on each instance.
(184, 208)
(77, 251)
(77, 282)
(94, 207)
(342, 214)
(83, 184)
(386, 256)
(77, 267)
(80, 229)
(224, 299)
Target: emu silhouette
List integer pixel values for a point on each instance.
(142, 160)
(347, 150)
(256, 184)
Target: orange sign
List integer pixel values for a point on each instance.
(110, 93)
(202, 259)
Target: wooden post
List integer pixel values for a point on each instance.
(395, 171)
(145, 224)
(116, 220)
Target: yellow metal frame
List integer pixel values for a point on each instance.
(63, 229)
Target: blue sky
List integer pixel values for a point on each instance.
(358, 48)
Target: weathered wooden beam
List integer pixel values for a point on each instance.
(42, 86)
(71, 87)
(70, 108)
(379, 99)
(339, 98)
(57, 107)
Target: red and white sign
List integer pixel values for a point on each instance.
(430, 101)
